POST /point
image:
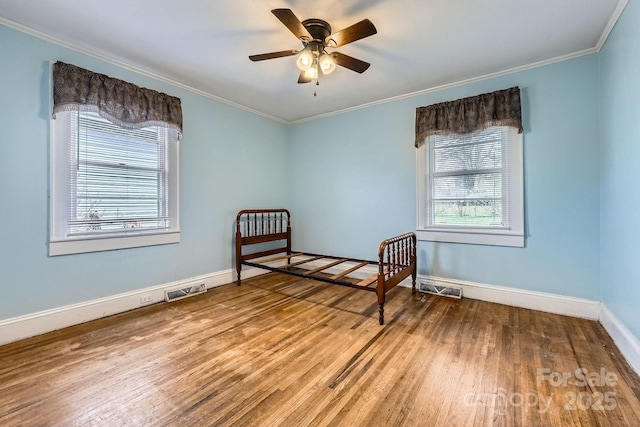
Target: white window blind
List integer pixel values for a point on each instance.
(118, 177)
(468, 179)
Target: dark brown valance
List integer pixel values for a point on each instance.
(466, 115)
(122, 103)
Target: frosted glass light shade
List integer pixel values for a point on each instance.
(305, 60)
(312, 72)
(326, 64)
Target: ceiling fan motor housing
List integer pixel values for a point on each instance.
(318, 29)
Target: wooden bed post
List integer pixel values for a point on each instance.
(414, 261)
(288, 236)
(238, 248)
(381, 282)
(381, 301)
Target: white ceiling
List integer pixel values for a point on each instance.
(421, 44)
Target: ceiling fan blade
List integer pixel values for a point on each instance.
(272, 55)
(303, 78)
(350, 62)
(357, 31)
(291, 21)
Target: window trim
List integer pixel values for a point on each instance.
(512, 236)
(59, 196)
(107, 243)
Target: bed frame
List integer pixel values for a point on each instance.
(272, 227)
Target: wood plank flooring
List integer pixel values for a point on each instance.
(281, 350)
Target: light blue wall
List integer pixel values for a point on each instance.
(230, 159)
(353, 183)
(620, 165)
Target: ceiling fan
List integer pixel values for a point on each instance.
(316, 37)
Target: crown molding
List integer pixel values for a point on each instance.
(612, 23)
(601, 41)
(128, 66)
(454, 84)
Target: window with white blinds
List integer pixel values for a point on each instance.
(118, 177)
(112, 187)
(470, 187)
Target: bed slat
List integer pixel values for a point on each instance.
(324, 267)
(368, 281)
(277, 258)
(351, 270)
(293, 264)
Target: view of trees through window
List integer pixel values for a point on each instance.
(466, 179)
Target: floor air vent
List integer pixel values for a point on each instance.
(189, 291)
(444, 291)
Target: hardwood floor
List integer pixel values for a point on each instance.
(286, 351)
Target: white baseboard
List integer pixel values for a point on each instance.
(627, 343)
(33, 324)
(541, 301)
(30, 325)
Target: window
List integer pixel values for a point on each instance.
(470, 187)
(111, 187)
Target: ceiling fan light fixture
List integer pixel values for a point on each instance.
(305, 60)
(326, 63)
(316, 35)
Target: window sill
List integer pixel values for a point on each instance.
(476, 237)
(92, 244)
